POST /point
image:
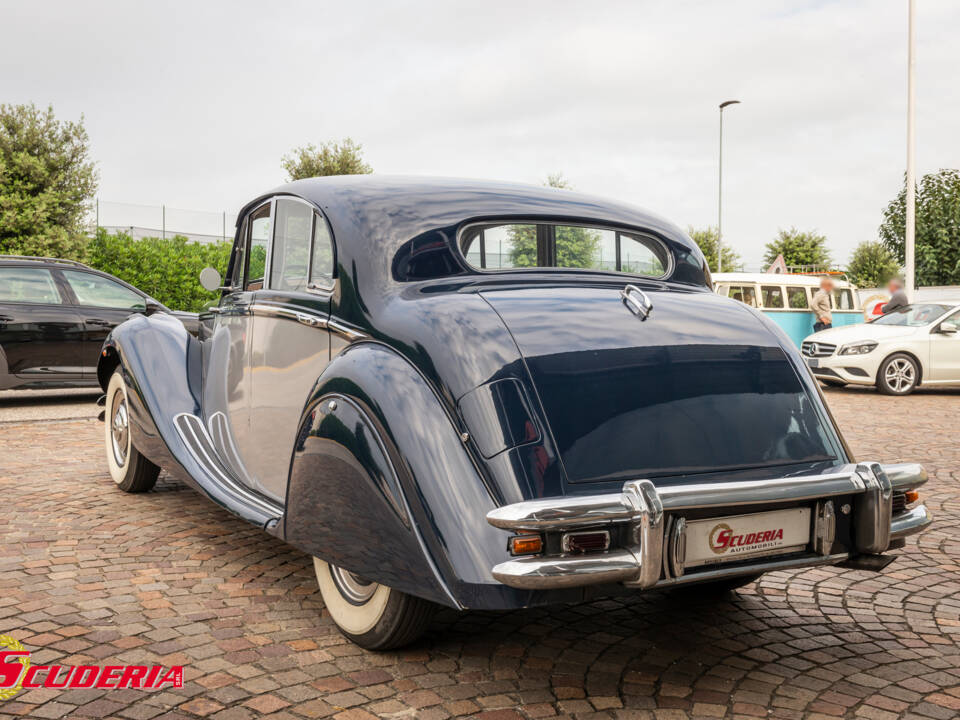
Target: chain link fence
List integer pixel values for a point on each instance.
(163, 221)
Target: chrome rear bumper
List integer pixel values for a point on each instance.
(653, 555)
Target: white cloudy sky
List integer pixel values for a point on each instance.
(193, 104)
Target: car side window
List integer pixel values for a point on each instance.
(28, 285)
(797, 298)
(321, 267)
(240, 257)
(257, 247)
(291, 245)
(772, 296)
(97, 291)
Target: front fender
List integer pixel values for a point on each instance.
(382, 485)
(162, 366)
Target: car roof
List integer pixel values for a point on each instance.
(378, 213)
(37, 260)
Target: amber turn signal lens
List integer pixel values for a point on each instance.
(911, 496)
(526, 545)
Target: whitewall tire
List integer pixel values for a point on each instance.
(130, 470)
(373, 616)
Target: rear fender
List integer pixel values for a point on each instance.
(382, 485)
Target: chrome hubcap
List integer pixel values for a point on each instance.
(119, 429)
(900, 375)
(354, 589)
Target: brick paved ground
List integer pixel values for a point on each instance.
(91, 575)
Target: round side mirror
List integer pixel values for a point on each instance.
(210, 279)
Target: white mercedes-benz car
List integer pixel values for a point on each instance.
(916, 345)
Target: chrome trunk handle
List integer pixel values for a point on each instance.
(637, 300)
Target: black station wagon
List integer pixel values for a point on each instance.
(485, 395)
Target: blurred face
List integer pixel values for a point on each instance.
(826, 284)
(894, 285)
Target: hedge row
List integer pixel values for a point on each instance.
(166, 269)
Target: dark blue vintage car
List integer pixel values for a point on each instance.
(485, 395)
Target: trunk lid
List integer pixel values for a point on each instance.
(700, 386)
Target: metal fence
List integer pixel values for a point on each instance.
(163, 221)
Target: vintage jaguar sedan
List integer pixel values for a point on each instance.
(485, 395)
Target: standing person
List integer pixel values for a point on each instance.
(823, 317)
(898, 298)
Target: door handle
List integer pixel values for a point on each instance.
(98, 322)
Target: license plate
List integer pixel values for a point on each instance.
(813, 362)
(741, 537)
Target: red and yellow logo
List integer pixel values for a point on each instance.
(17, 673)
(723, 538)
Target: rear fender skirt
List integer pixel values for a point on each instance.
(161, 366)
(382, 485)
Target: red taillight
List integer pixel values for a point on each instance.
(584, 542)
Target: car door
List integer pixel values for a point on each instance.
(945, 353)
(40, 335)
(290, 343)
(102, 303)
(226, 385)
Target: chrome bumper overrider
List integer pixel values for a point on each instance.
(654, 554)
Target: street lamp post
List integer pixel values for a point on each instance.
(720, 190)
(911, 199)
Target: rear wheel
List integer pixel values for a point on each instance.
(373, 616)
(130, 470)
(898, 375)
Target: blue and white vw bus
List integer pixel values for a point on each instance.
(785, 298)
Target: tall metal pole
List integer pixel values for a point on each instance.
(720, 191)
(911, 217)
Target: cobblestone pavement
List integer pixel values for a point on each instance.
(89, 575)
(31, 405)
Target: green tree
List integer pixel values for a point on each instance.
(706, 239)
(799, 248)
(47, 183)
(937, 230)
(331, 158)
(577, 247)
(872, 265)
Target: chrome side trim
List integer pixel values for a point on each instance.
(341, 329)
(198, 442)
(910, 522)
(307, 318)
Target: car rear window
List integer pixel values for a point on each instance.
(28, 285)
(498, 246)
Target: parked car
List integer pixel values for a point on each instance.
(898, 352)
(484, 395)
(55, 315)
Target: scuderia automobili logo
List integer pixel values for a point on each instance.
(18, 673)
(724, 539)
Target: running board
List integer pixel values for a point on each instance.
(219, 482)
